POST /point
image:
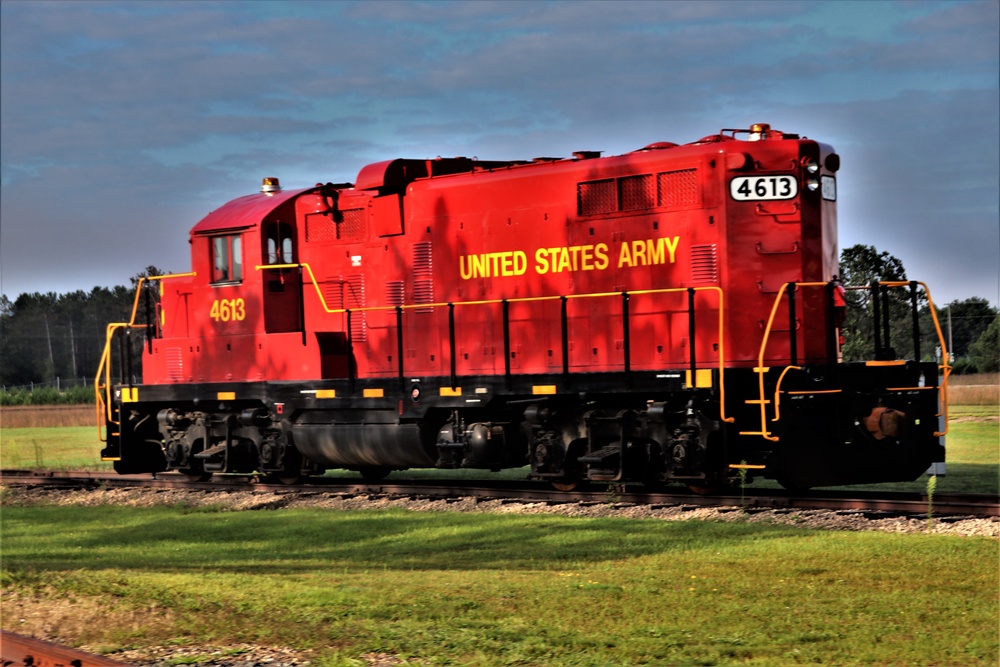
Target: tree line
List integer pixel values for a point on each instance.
(971, 327)
(56, 340)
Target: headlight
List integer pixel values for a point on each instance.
(812, 184)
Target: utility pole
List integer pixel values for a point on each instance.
(951, 348)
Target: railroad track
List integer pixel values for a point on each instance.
(17, 649)
(750, 499)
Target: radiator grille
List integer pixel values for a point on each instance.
(354, 226)
(670, 189)
(596, 197)
(679, 188)
(637, 192)
(321, 228)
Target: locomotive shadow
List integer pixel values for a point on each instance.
(293, 542)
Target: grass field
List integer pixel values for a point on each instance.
(461, 589)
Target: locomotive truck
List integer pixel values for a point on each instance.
(669, 315)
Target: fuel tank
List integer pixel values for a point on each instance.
(363, 445)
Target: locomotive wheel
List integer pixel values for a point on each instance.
(289, 479)
(565, 486)
(374, 473)
(791, 486)
(707, 489)
(195, 475)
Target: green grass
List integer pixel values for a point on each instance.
(467, 589)
(60, 448)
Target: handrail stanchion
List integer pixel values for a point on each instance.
(884, 289)
(916, 320)
(351, 370)
(127, 344)
(877, 318)
(831, 325)
(792, 333)
(399, 347)
(150, 317)
(506, 343)
(302, 307)
(626, 340)
(451, 340)
(691, 334)
(121, 357)
(564, 322)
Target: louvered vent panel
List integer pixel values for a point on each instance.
(394, 292)
(333, 293)
(423, 274)
(637, 193)
(175, 364)
(596, 197)
(354, 298)
(679, 188)
(704, 264)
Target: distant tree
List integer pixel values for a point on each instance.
(985, 352)
(149, 272)
(969, 319)
(48, 336)
(860, 266)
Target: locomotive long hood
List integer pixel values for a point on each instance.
(245, 212)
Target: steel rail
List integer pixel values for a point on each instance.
(17, 649)
(849, 500)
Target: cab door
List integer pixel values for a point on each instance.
(282, 286)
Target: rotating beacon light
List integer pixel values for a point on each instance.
(758, 131)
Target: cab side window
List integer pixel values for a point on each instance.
(227, 259)
(280, 249)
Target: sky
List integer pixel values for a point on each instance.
(122, 124)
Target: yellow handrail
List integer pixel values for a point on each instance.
(944, 367)
(665, 290)
(103, 402)
(760, 357)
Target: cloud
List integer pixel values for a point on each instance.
(139, 118)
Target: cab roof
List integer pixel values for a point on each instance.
(244, 212)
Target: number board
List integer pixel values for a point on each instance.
(226, 310)
(829, 188)
(759, 188)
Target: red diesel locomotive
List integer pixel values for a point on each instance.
(667, 315)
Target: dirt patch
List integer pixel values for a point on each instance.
(47, 416)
